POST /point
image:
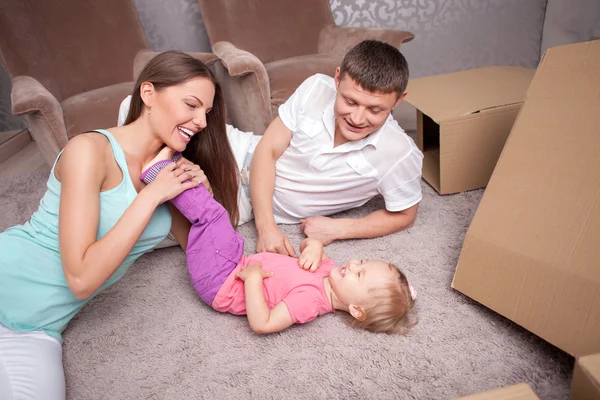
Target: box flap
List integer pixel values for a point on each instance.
(531, 252)
(479, 89)
(586, 378)
(591, 366)
(522, 391)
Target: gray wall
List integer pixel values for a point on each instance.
(451, 35)
(173, 25)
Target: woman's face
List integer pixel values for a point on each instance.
(177, 113)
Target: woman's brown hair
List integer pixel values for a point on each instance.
(210, 149)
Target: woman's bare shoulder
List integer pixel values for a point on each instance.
(84, 141)
(90, 148)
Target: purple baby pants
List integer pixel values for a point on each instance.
(214, 248)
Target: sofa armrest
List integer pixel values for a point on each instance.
(144, 56)
(43, 114)
(340, 39)
(245, 83)
(239, 62)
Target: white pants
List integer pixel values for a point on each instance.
(30, 366)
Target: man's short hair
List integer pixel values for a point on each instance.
(376, 66)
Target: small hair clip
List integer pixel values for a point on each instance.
(413, 292)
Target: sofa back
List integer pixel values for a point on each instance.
(269, 29)
(70, 46)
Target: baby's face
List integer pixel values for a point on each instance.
(351, 284)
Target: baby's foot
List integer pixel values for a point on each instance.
(164, 157)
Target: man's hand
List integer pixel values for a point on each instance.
(311, 255)
(273, 241)
(323, 229)
(253, 270)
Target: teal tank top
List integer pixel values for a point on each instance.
(33, 290)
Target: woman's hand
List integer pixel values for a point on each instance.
(170, 182)
(196, 172)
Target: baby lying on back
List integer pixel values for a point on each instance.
(277, 291)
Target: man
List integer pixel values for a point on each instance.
(335, 146)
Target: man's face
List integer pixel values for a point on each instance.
(359, 112)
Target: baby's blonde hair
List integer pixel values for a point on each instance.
(389, 307)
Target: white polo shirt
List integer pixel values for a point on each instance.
(314, 178)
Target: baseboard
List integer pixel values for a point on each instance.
(12, 142)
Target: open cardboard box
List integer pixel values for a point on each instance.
(522, 391)
(532, 252)
(463, 120)
(586, 378)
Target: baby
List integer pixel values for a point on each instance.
(277, 291)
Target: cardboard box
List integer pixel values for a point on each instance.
(463, 120)
(532, 252)
(586, 378)
(522, 391)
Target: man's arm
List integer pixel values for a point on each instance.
(378, 223)
(262, 185)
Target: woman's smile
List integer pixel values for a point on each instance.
(185, 133)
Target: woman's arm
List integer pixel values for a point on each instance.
(87, 262)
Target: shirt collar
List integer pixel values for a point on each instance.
(329, 118)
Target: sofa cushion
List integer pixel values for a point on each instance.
(96, 109)
(286, 75)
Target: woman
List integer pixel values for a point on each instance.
(97, 217)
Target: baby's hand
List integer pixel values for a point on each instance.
(311, 256)
(253, 270)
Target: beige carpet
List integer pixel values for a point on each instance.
(150, 337)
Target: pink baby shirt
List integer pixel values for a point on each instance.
(302, 291)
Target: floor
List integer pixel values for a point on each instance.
(123, 335)
(26, 160)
